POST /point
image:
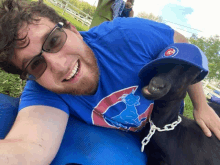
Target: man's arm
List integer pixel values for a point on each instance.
(35, 136)
(179, 38)
(204, 115)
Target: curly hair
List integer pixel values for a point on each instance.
(13, 15)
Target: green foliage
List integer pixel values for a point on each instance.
(11, 84)
(210, 87)
(211, 47)
(150, 16)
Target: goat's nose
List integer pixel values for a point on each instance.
(158, 82)
(157, 88)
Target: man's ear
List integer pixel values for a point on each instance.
(74, 30)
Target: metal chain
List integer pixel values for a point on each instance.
(153, 128)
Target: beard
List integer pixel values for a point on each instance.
(88, 84)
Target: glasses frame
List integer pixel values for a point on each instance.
(25, 75)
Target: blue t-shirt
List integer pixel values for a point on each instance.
(122, 47)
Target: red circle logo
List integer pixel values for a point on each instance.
(170, 52)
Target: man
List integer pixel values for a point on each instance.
(128, 10)
(103, 12)
(92, 75)
(107, 10)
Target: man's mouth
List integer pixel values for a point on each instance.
(74, 72)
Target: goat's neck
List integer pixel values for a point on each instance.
(165, 112)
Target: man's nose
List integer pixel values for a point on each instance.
(55, 61)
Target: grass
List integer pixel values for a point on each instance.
(188, 109)
(11, 84)
(79, 26)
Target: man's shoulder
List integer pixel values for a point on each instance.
(129, 23)
(35, 94)
(33, 86)
(33, 89)
(105, 28)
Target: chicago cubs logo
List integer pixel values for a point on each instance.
(171, 52)
(129, 115)
(126, 116)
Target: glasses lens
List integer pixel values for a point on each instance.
(55, 41)
(53, 44)
(37, 67)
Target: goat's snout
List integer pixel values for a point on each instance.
(157, 88)
(176, 81)
(158, 83)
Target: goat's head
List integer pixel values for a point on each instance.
(171, 85)
(170, 74)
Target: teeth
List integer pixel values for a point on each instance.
(73, 72)
(155, 89)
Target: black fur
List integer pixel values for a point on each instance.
(215, 106)
(186, 144)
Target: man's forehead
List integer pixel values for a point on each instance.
(36, 33)
(36, 24)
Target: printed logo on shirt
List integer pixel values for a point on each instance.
(128, 117)
(173, 51)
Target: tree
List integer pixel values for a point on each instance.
(211, 47)
(150, 16)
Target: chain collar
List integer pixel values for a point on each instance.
(153, 128)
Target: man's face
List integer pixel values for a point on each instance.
(74, 55)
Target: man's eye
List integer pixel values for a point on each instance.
(54, 42)
(35, 64)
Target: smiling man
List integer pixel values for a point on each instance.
(72, 64)
(92, 75)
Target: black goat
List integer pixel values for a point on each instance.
(186, 144)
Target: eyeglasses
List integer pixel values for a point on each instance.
(52, 44)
